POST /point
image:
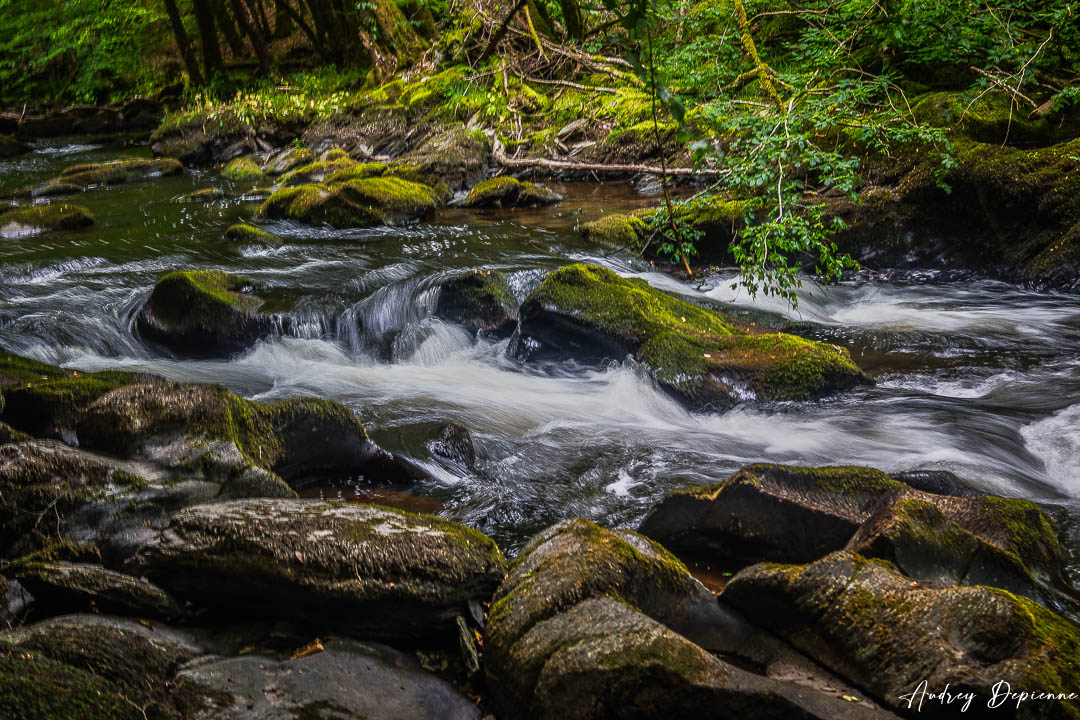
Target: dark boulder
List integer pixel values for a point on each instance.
(509, 192)
(63, 587)
(480, 300)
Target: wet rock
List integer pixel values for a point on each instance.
(56, 188)
(509, 192)
(938, 482)
(245, 233)
(44, 218)
(772, 513)
(60, 587)
(588, 313)
(204, 195)
(10, 147)
(180, 425)
(594, 623)
(456, 156)
(288, 159)
(789, 514)
(195, 139)
(118, 171)
(97, 668)
(45, 400)
(203, 313)
(450, 441)
(869, 623)
(343, 679)
(369, 571)
(480, 300)
(362, 202)
(242, 169)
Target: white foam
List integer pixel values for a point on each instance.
(1056, 441)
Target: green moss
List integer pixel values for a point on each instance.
(683, 342)
(46, 218)
(243, 232)
(119, 171)
(317, 172)
(205, 195)
(204, 293)
(356, 171)
(505, 191)
(616, 230)
(847, 480)
(1030, 534)
(242, 169)
(356, 203)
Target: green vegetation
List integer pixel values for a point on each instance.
(45, 218)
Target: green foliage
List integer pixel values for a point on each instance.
(79, 50)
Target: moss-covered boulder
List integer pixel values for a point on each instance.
(589, 313)
(596, 623)
(203, 195)
(456, 156)
(369, 571)
(84, 666)
(246, 233)
(990, 118)
(318, 171)
(242, 169)
(780, 513)
(509, 192)
(480, 300)
(119, 171)
(773, 513)
(203, 313)
(616, 231)
(44, 400)
(362, 202)
(44, 218)
(874, 626)
(10, 147)
(62, 587)
(54, 188)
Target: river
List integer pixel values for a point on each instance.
(974, 376)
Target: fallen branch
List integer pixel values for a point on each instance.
(500, 157)
(576, 86)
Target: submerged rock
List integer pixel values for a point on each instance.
(508, 192)
(242, 169)
(589, 313)
(245, 233)
(343, 679)
(44, 218)
(594, 623)
(866, 621)
(361, 202)
(789, 514)
(118, 171)
(369, 571)
(203, 313)
(481, 300)
(204, 195)
(60, 587)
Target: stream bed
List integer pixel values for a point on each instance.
(977, 377)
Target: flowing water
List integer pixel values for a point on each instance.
(977, 377)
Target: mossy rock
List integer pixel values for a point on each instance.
(45, 400)
(44, 218)
(10, 147)
(991, 119)
(611, 625)
(245, 233)
(119, 171)
(590, 314)
(242, 169)
(55, 188)
(457, 156)
(509, 192)
(203, 313)
(616, 231)
(288, 159)
(205, 195)
(369, 571)
(480, 300)
(317, 171)
(887, 634)
(97, 668)
(717, 218)
(773, 513)
(363, 202)
(60, 587)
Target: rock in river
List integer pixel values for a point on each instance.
(481, 300)
(509, 192)
(589, 313)
(369, 571)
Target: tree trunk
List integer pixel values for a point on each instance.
(208, 38)
(258, 43)
(227, 26)
(575, 24)
(283, 22)
(183, 42)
